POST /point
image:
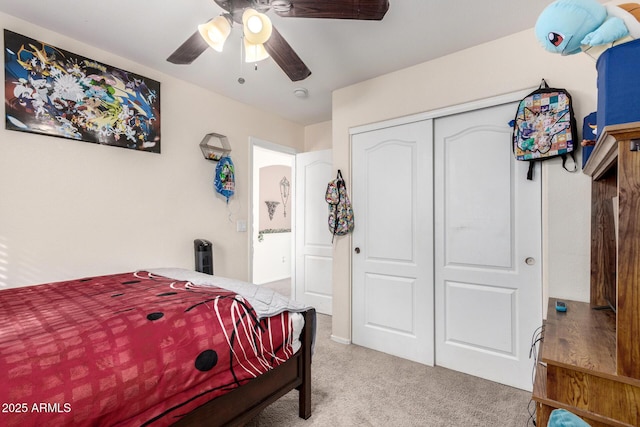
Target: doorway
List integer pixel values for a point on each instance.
(272, 199)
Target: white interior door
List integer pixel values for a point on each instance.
(488, 249)
(313, 249)
(392, 257)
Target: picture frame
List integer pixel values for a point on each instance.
(51, 91)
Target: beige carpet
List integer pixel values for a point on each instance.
(355, 386)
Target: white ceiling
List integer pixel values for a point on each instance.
(338, 52)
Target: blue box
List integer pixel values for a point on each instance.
(619, 85)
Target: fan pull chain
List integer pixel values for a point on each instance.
(241, 79)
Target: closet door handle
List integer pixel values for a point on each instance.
(530, 260)
(357, 250)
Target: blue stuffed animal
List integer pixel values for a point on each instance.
(573, 26)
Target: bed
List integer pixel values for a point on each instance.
(153, 347)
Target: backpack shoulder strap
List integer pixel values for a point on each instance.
(564, 161)
(532, 164)
(336, 207)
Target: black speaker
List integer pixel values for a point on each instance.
(203, 250)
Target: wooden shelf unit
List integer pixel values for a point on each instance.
(590, 356)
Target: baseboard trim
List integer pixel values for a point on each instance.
(340, 340)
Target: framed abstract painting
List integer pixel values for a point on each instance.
(54, 92)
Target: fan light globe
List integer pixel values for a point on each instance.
(254, 52)
(257, 26)
(215, 32)
(254, 24)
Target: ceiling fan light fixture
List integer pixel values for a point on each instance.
(215, 32)
(254, 52)
(257, 26)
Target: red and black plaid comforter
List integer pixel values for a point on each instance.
(127, 349)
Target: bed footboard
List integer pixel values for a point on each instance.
(239, 406)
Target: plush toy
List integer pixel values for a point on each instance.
(573, 26)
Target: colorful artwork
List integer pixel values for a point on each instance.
(54, 92)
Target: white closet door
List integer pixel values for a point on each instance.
(392, 251)
(488, 248)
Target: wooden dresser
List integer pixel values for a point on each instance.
(589, 359)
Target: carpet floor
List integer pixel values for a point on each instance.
(356, 386)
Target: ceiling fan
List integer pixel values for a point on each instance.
(261, 39)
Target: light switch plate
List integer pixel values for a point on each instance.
(241, 226)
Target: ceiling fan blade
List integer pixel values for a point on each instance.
(338, 9)
(189, 50)
(286, 58)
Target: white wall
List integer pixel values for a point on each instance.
(70, 208)
(506, 65)
(318, 136)
(272, 258)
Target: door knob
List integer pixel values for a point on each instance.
(530, 260)
(357, 250)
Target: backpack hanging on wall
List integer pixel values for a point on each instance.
(340, 210)
(545, 127)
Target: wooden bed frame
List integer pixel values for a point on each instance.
(239, 406)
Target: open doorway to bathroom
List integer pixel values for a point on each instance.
(272, 233)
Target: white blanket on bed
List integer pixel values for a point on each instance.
(265, 301)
